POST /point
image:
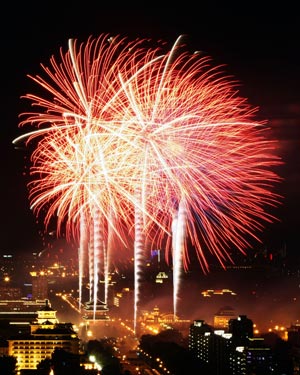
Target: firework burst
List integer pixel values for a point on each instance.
(151, 136)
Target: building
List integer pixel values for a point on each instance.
(220, 347)
(45, 315)
(123, 302)
(293, 335)
(20, 313)
(241, 329)
(156, 321)
(39, 287)
(199, 336)
(231, 353)
(45, 336)
(222, 317)
(253, 358)
(95, 312)
(8, 292)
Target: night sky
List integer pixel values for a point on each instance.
(258, 46)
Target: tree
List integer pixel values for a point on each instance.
(44, 366)
(8, 365)
(104, 354)
(65, 362)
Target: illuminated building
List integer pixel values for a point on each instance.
(45, 336)
(45, 315)
(9, 293)
(95, 312)
(156, 258)
(222, 317)
(220, 347)
(39, 287)
(253, 358)
(161, 277)
(123, 301)
(217, 292)
(199, 335)
(156, 321)
(252, 354)
(210, 347)
(20, 313)
(220, 352)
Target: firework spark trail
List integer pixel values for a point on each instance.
(83, 248)
(98, 246)
(168, 124)
(91, 258)
(179, 225)
(107, 259)
(139, 244)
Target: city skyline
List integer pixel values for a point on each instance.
(266, 293)
(268, 78)
(117, 325)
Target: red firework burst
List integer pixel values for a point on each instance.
(134, 129)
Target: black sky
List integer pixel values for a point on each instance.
(259, 45)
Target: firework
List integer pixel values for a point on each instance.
(150, 136)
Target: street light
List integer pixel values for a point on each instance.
(97, 366)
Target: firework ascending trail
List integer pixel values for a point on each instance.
(131, 129)
(178, 232)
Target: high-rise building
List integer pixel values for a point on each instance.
(39, 287)
(199, 336)
(253, 358)
(231, 353)
(241, 329)
(220, 346)
(294, 335)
